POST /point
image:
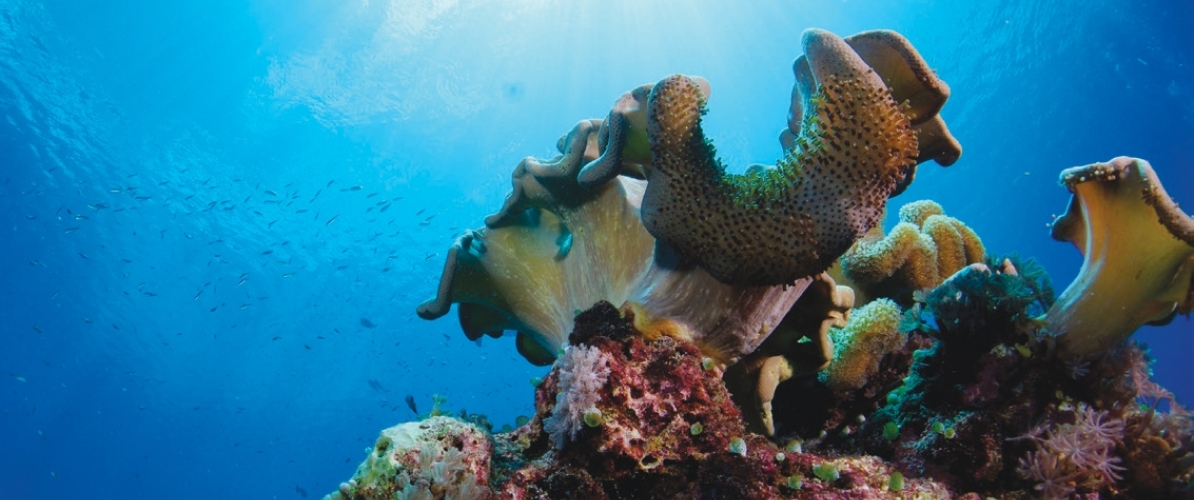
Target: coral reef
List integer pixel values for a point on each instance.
(574, 229)
(437, 458)
(967, 381)
(923, 249)
(1129, 232)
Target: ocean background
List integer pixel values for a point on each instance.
(217, 218)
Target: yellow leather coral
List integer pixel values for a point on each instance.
(920, 252)
(1138, 256)
(872, 332)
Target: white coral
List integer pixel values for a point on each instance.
(582, 373)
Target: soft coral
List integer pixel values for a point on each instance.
(1075, 455)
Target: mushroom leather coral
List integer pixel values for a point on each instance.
(778, 225)
(570, 232)
(550, 252)
(1138, 256)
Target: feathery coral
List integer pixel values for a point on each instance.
(582, 371)
(1077, 454)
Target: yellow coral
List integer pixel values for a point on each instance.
(1138, 256)
(873, 331)
(926, 247)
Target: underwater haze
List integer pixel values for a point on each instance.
(219, 217)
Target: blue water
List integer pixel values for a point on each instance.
(187, 259)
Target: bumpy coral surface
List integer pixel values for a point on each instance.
(668, 429)
(778, 225)
(923, 249)
(1138, 256)
(433, 459)
(873, 332)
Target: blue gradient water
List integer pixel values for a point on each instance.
(186, 256)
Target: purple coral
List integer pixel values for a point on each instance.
(583, 371)
(1074, 455)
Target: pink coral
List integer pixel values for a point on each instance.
(583, 371)
(1075, 455)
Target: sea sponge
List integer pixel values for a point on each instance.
(1138, 256)
(778, 225)
(923, 249)
(437, 458)
(872, 332)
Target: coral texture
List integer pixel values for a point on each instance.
(433, 459)
(873, 332)
(582, 374)
(570, 233)
(923, 249)
(1138, 256)
(777, 225)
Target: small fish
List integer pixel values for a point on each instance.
(83, 255)
(267, 252)
(301, 491)
(81, 217)
(70, 229)
(54, 475)
(198, 294)
(245, 306)
(410, 403)
(271, 224)
(367, 324)
(429, 256)
(276, 338)
(387, 207)
(370, 195)
(330, 182)
(307, 347)
(420, 212)
(37, 329)
(330, 221)
(30, 217)
(271, 192)
(287, 275)
(18, 377)
(341, 268)
(143, 198)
